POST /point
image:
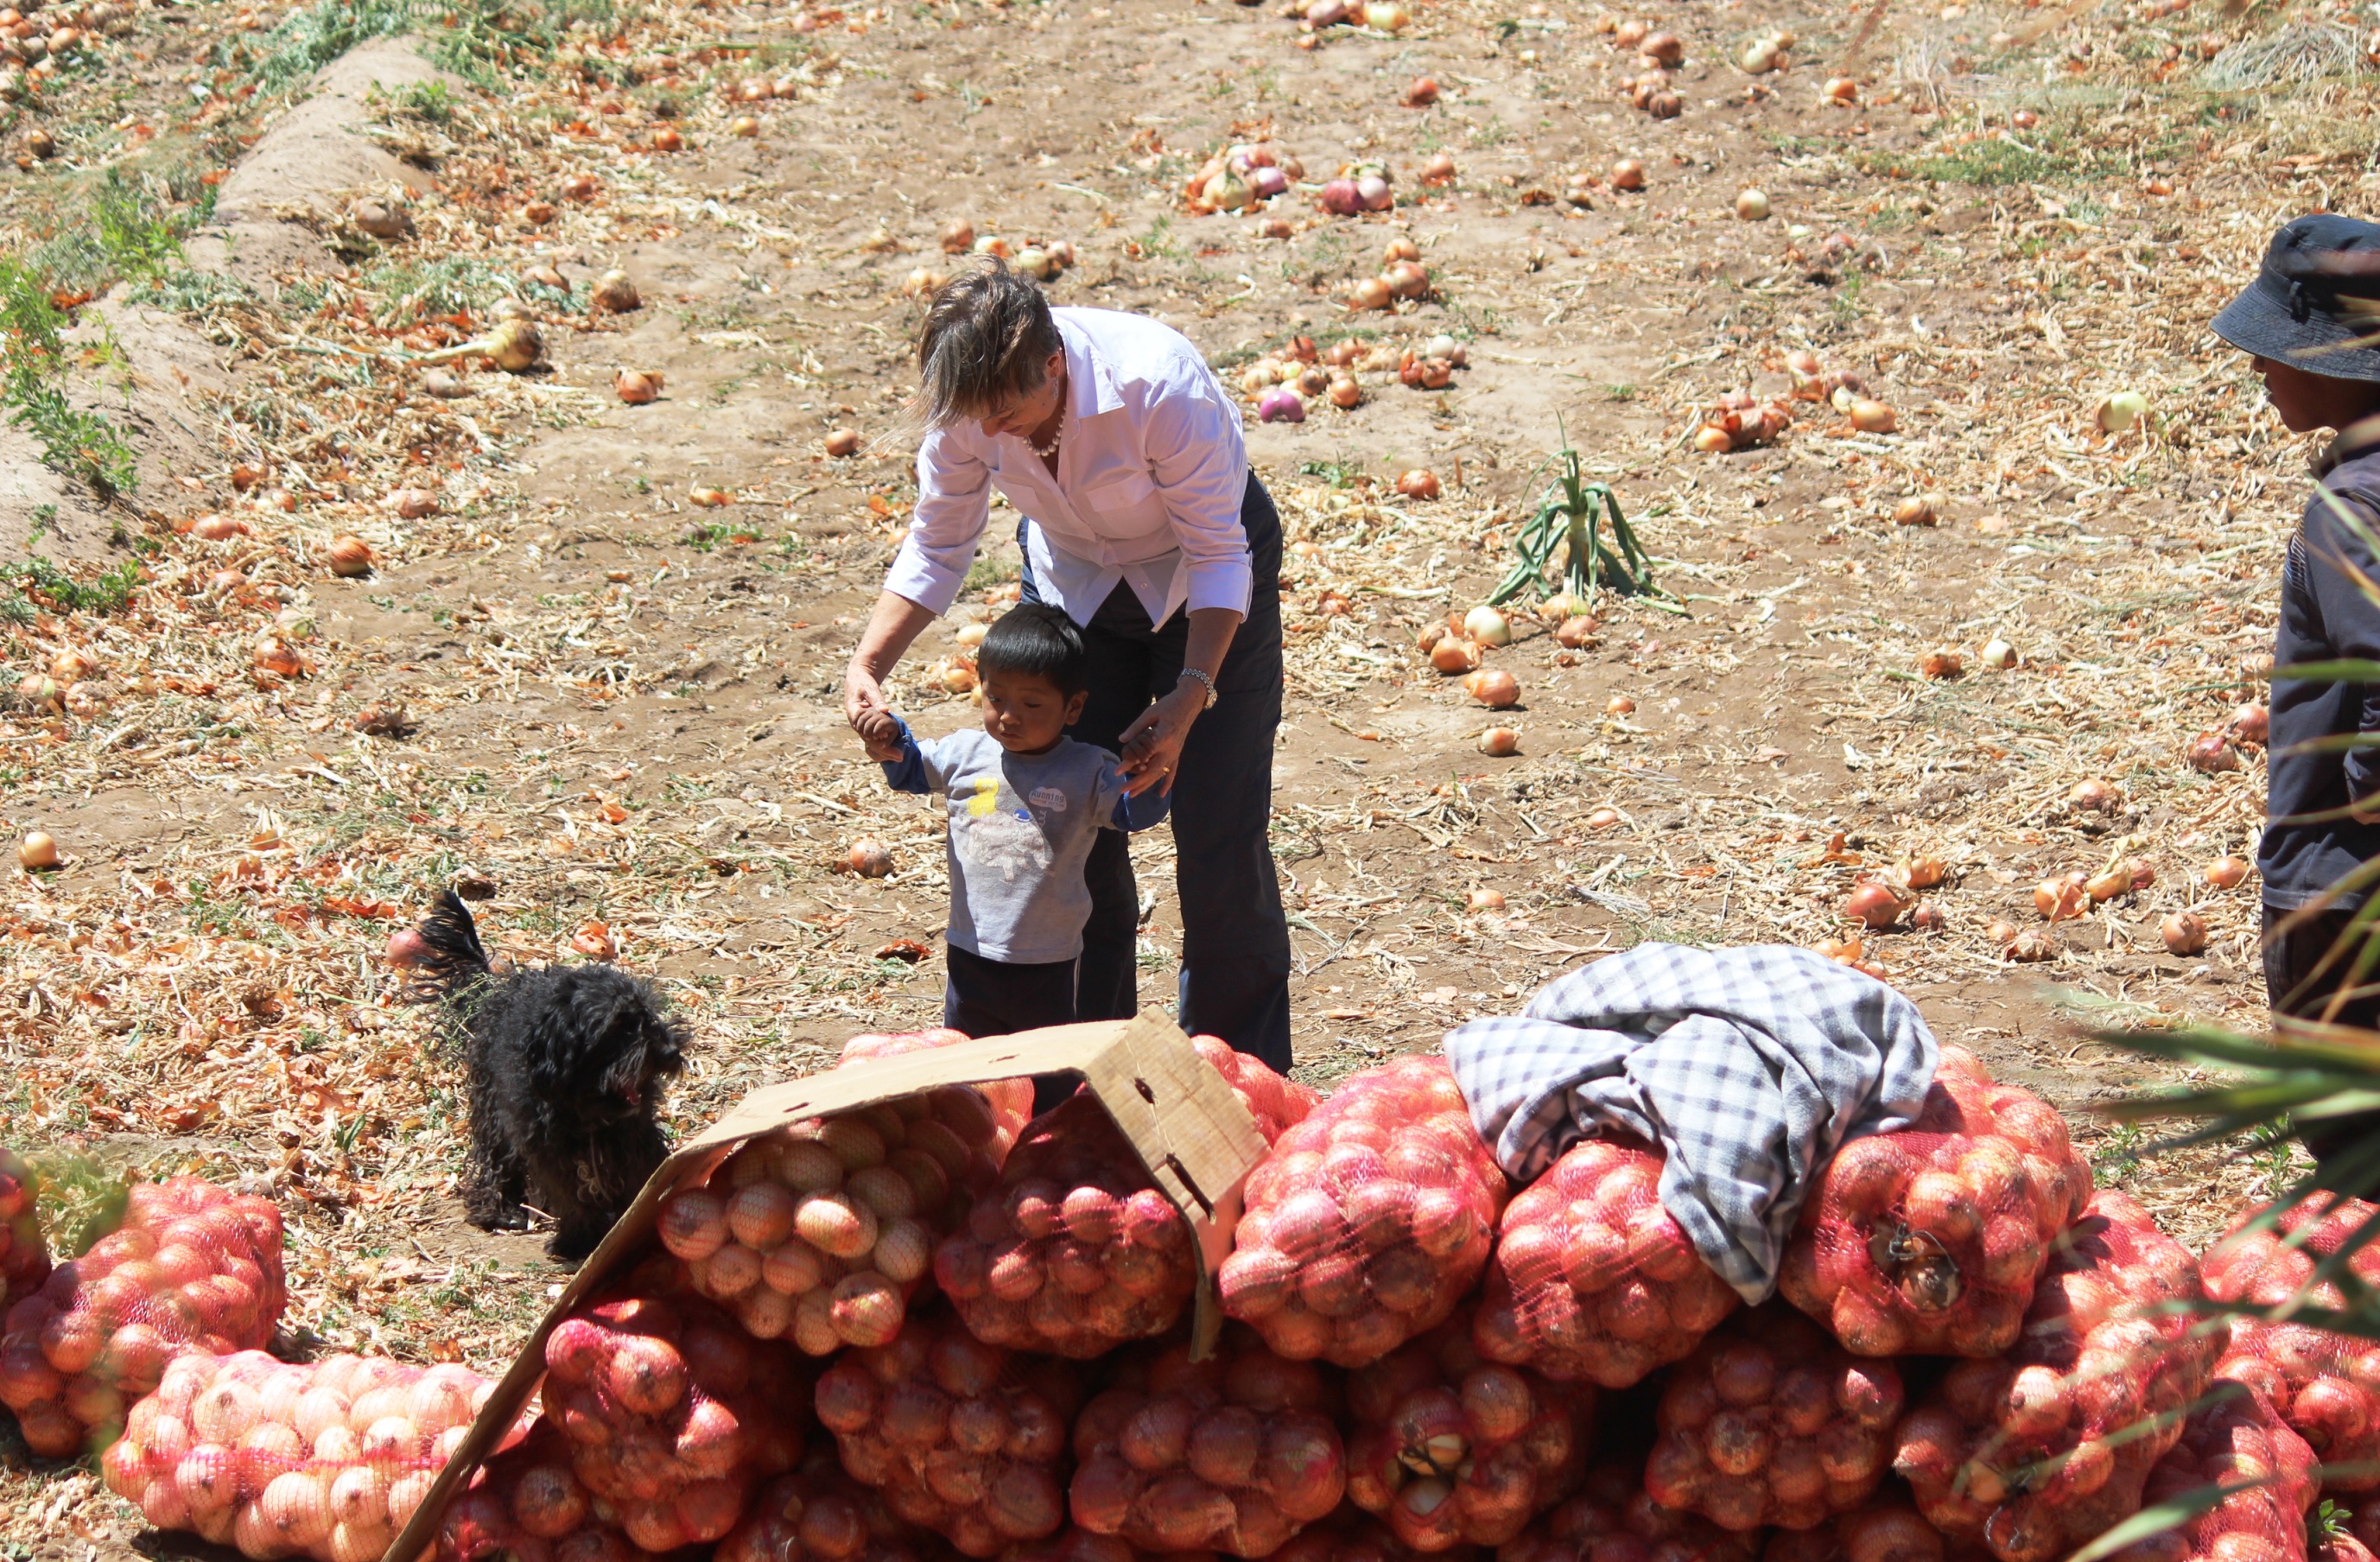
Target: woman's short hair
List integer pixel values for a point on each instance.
(985, 342)
(1036, 640)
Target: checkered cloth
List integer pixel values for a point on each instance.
(1748, 1067)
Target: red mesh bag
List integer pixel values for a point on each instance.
(821, 1231)
(1277, 1104)
(1769, 1422)
(1883, 1528)
(2267, 1268)
(1591, 1278)
(2233, 1436)
(1613, 1519)
(2037, 1451)
(819, 1514)
(526, 1504)
(962, 1437)
(191, 1268)
(24, 1257)
(1369, 1222)
(671, 1413)
(1077, 1250)
(1011, 1099)
(1350, 1534)
(326, 1460)
(1448, 1449)
(1234, 1454)
(1930, 1240)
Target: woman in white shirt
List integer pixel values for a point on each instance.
(1115, 442)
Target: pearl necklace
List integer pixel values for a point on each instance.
(1057, 434)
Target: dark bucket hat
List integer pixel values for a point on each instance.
(2317, 292)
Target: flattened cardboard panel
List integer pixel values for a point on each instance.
(1197, 1140)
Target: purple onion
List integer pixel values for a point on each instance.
(1341, 199)
(1268, 182)
(1373, 192)
(1280, 405)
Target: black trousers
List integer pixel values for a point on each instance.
(986, 998)
(2289, 961)
(1235, 958)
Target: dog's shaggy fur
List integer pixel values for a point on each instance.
(567, 1064)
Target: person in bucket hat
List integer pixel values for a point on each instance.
(2311, 320)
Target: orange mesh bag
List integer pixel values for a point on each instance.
(1011, 1099)
(962, 1437)
(1613, 1519)
(1350, 1534)
(1591, 1278)
(526, 1504)
(672, 1414)
(2267, 1268)
(1234, 1454)
(1883, 1528)
(821, 1231)
(819, 1514)
(191, 1268)
(1769, 1422)
(1277, 1104)
(1369, 1222)
(24, 1257)
(2233, 1436)
(1077, 1250)
(2037, 1451)
(326, 1460)
(1448, 1449)
(1930, 1240)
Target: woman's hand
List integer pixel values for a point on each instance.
(863, 704)
(1152, 744)
(894, 623)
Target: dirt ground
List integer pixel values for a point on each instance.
(603, 670)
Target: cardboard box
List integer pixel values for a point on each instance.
(1193, 1136)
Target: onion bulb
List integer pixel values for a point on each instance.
(743, 125)
(2211, 752)
(1439, 170)
(1872, 417)
(2119, 410)
(1843, 952)
(1943, 664)
(1418, 483)
(2249, 724)
(869, 857)
(2030, 946)
(1280, 405)
(1386, 15)
(1374, 190)
(37, 852)
(958, 236)
(1752, 206)
(2185, 932)
(1712, 440)
(1999, 930)
(1929, 917)
(2059, 899)
(1341, 197)
(1370, 293)
(2228, 873)
(1576, 632)
(1494, 687)
(1485, 900)
(2094, 795)
(2109, 883)
(1454, 654)
(412, 503)
(1431, 634)
(1400, 248)
(1664, 48)
(1914, 511)
(1926, 872)
(1619, 705)
(516, 345)
(1488, 625)
(1499, 742)
(1627, 174)
(1421, 93)
(1841, 89)
(637, 386)
(1872, 904)
(1999, 655)
(37, 691)
(842, 443)
(72, 665)
(348, 556)
(1759, 57)
(1346, 393)
(614, 294)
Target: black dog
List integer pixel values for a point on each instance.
(566, 1067)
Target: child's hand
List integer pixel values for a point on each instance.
(879, 733)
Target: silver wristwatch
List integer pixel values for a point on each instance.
(1210, 682)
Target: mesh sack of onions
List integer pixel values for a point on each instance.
(1448, 1449)
(2269, 1265)
(671, 1413)
(2325, 1386)
(820, 1231)
(1350, 1534)
(2232, 1438)
(2039, 1450)
(1613, 1519)
(326, 1460)
(1883, 1528)
(1075, 1251)
(1233, 1454)
(963, 1438)
(1770, 1422)
(24, 1256)
(191, 1268)
(1277, 1104)
(820, 1514)
(525, 1505)
(1369, 1222)
(1010, 1100)
(1591, 1278)
(1930, 1240)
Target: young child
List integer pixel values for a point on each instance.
(2309, 319)
(1026, 803)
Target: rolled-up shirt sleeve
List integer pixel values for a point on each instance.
(1200, 465)
(953, 502)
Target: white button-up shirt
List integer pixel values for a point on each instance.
(1152, 472)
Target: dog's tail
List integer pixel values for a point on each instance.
(452, 958)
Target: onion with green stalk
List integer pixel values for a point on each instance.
(1573, 516)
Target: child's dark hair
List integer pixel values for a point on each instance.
(1036, 640)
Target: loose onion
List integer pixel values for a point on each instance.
(843, 443)
(348, 556)
(2032, 945)
(1488, 625)
(1752, 206)
(2185, 932)
(2211, 754)
(637, 387)
(2094, 795)
(1619, 705)
(2109, 883)
(1370, 293)
(1872, 417)
(1872, 904)
(1999, 655)
(869, 857)
(1419, 483)
(2059, 899)
(1454, 654)
(1916, 511)
(1494, 687)
(1841, 89)
(1627, 174)
(1499, 742)
(1999, 930)
(1929, 917)
(2249, 724)
(1664, 48)
(2228, 873)
(37, 852)
(1439, 170)
(1421, 93)
(614, 294)
(1943, 664)
(2118, 411)
(958, 237)
(1926, 872)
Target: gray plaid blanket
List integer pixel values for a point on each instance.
(1748, 1067)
